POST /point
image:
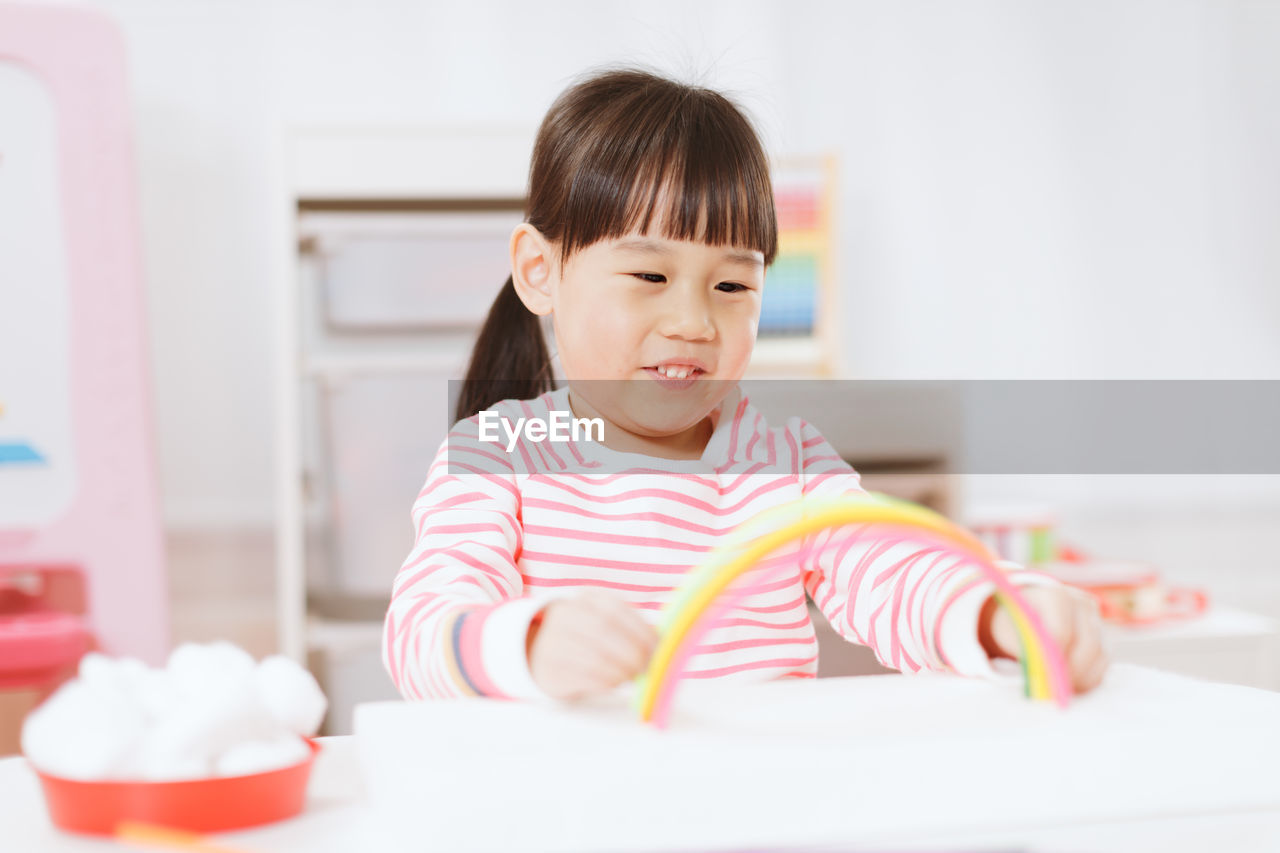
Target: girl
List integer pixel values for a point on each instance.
(538, 566)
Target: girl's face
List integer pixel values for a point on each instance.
(623, 308)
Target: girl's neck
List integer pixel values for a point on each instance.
(689, 444)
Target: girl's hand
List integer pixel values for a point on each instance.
(588, 644)
(1070, 616)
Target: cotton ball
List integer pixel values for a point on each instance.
(292, 694)
(260, 756)
(156, 695)
(187, 739)
(134, 672)
(150, 689)
(84, 731)
(202, 670)
(98, 670)
(176, 747)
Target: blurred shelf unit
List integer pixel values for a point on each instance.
(396, 245)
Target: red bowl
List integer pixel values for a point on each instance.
(216, 804)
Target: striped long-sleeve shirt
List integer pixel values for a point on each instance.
(499, 534)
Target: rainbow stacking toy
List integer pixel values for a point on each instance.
(708, 591)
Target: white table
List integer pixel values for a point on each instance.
(1240, 812)
(1223, 644)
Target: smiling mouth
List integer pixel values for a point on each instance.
(675, 380)
(676, 372)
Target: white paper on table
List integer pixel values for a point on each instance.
(850, 760)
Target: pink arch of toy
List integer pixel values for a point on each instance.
(736, 592)
(112, 529)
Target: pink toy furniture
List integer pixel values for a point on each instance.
(81, 547)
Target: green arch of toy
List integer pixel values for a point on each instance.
(682, 619)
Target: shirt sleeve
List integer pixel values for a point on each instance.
(915, 604)
(458, 618)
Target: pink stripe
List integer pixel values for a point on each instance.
(534, 580)
(811, 484)
(832, 570)
(774, 608)
(613, 538)
(755, 437)
(915, 620)
(475, 527)
(669, 494)
(554, 559)
(810, 461)
(893, 570)
(737, 422)
(502, 460)
(561, 558)
(577, 457)
(895, 639)
(632, 472)
(795, 460)
(416, 620)
(937, 623)
(529, 467)
(388, 638)
(433, 484)
(545, 453)
(489, 477)
(742, 667)
(794, 604)
(494, 573)
(756, 623)
(537, 580)
(744, 477)
(752, 643)
(447, 503)
(669, 520)
(812, 442)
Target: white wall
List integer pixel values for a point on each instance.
(1028, 190)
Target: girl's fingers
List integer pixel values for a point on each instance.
(621, 618)
(1083, 657)
(1096, 673)
(581, 672)
(1088, 660)
(604, 640)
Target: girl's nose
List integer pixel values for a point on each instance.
(687, 315)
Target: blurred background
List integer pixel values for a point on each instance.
(979, 190)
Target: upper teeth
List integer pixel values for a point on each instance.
(676, 372)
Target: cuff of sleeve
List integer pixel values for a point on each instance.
(491, 649)
(957, 631)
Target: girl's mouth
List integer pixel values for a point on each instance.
(675, 378)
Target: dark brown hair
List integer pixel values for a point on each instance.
(609, 147)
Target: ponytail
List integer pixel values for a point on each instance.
(510, 358)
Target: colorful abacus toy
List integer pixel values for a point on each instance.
(710, 591)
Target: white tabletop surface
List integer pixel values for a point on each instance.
(1245, 817)
(1217, 621)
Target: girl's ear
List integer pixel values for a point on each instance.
(531, 267)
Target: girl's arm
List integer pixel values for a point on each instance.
(916, 606)
(457, 622)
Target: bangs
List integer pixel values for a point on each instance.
(681, 157)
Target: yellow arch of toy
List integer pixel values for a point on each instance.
(728, 563)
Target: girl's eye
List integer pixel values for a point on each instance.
(734, 284)
(650, 276)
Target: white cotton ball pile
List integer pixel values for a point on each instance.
(211, 712)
